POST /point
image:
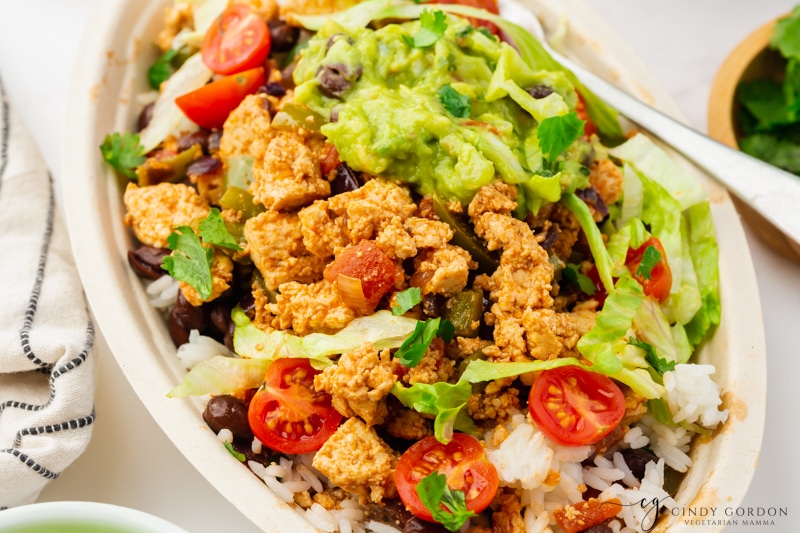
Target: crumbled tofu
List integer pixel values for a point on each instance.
(288, 176)
(276, 246)
(497, 197)
(396, 241)
(635, 406)
(153, 211)
(266, 9)
(359, 383)
(210, 186)
(371, 207)
(497, 401)
(292, 8)
(356, 459)
(508, 517)
(549, 334)
(442, 270)
(221, 276)
(309, 308)
(248, 129)
(428, 233)
(557, 219)
(509, 337)
(606, 177)
(405, 423)
(176, 17)
(323, 231)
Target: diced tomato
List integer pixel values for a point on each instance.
(210, 105)
(367, 264)
(584, 515)
(600, 293)
(659, 282)
(462, 461)
(589, 128)
(575, 407)
(238, 40)
(287, 413)
(329, 161)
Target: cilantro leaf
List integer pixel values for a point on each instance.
(434, 493)
(213, 231)
(432, 25)
(780, 152)
(579, 279)
(406, 300)
(650, 259)
(556, 134)
(660, 365)
(123, 152)
(239, 456)
(411, 351)
(766, 101)
(454, 102)
(161, 70)
(190, 260)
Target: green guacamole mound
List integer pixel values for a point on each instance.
(388, 116)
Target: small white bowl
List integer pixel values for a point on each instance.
(81, 517)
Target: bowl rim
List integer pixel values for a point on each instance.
(104, 275)
(94, 513)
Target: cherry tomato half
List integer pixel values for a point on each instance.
(287, 414)
(575, 407)
(659, 283)
(210, 105)
(238, 40)
(462, 460)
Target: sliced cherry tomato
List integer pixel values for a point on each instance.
(211, 104)
(589, 127)
(600, 293)
(488, 5)
(238, 40)
(659, 283)
(368, 265)
(575, 407)
(287, 414)
(462, 460)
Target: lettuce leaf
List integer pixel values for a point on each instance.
(445, 401)
(705, 258)
(601, 257)
(221, 375)
(382, 329)
(651, 326)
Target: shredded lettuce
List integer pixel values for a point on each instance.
(632, 196)
(167, 116)
(705, 258)
(652, 326)
(382, 329)
(601, 257)
(446, 401)
(221, 375)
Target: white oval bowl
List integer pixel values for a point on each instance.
(53, 517)
(116, 54)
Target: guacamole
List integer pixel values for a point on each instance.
(447, 117)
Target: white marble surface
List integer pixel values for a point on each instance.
(130, 462)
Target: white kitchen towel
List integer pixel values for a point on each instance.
(47, 379)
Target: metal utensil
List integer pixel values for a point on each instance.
(772, 192)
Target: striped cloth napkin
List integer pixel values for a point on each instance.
(47, 376)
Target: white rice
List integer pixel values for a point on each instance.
(635, 438)
(200, 348)
(163, 292)
(669, 443)
(256, 446)
(321, 518)
(379, 527)
(225, 435)
(310, 477)
(692, 395)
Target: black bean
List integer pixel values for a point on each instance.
(196, 137)
(346, 179)
(273, 88)
(550, 237)
(433, 305)
(214, 139)
(227, 340)
(145, 116)
(392, 512)
(334, 114)
(146, 261)
(204, 166)
(637, 460)
(189, 316)
(220, 315)
(336, 37)
(178, 333)
(540, 91)
(418, 525)
(593, 198)
(227, 412)
(284, 36)
(599, 528)
(335, 80)
(248, 305)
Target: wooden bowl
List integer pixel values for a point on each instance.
(751, 59)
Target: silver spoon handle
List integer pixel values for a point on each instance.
(775, 194)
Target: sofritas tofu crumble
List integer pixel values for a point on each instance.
(405, 168)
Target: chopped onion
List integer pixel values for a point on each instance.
(351, 292)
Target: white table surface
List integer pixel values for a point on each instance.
(130, 461)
